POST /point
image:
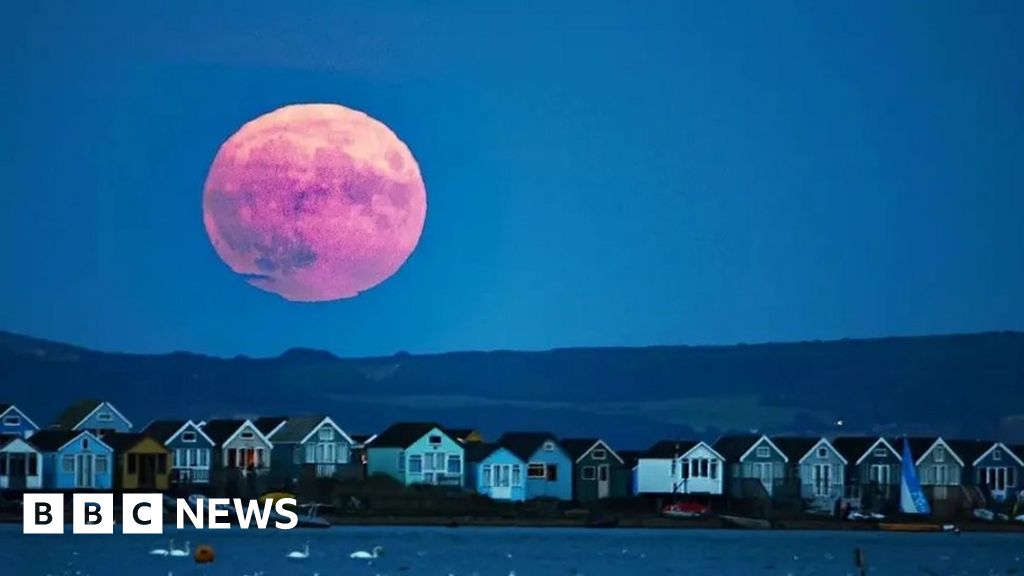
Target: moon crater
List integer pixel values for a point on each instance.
(314, 202)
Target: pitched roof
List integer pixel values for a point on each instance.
(668, 449)
(629, 457)
(122, 442)
(969, 450)
(53, 440)
(919, 445)
(853, 447)
(734, 447)
(162, 430)
(478, 451)
(1017, 450)
(267, 424)
(460, 434)
(403, 434)
(4, 407)
(577, 447)
(362, 438)
(794, 447)
(297, 429)
(220, 430)
(75, 413)
(525, 444)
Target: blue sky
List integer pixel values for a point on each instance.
(598, 173)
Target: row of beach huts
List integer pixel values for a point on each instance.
(93, 446)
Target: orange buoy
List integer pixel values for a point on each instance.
(203, 554)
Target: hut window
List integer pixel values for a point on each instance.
(997, 455)
(326, 434)
(714, 469)
(101, 465)
(161, 463)
(104, 417)
(13, 420)
(599, 454)
(763, 452)
(67, 464)
(416, 464)
(940, 454)
(454, 464)
(85, 443)
(549, 447)
(822, 452)
(247, 435)
(434, 439)
(486, 470)
(552, 473)
(188, 437)
(133, 463)
(517, 475)
(880, 452)
(588, 473)
(535, 470)
(204, 458)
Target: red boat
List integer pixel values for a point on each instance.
(685, 510)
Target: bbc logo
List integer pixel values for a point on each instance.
(93, 514)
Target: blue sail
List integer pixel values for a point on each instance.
(912, 500)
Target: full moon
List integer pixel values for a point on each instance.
(314, 202)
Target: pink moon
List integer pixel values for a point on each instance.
(314, 202)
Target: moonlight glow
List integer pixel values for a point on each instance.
(314, 202)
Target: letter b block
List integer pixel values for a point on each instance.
(43, 514)
(93, 514)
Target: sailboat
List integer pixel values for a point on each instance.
(912, 500)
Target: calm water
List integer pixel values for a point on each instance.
(526, 552)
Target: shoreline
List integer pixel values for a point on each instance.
(624, 522)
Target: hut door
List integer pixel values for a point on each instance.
(17, 467)
(602, 481)
(83, 470)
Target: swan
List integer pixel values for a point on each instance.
(162, 551)
(300, 554)
(182, 552)
(364, 555)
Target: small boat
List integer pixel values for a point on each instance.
(984, 515)
(685, 510)
(746, 523)
(912, 500)
(862, 517)
(308, 517)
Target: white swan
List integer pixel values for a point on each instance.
(364, 555)
(182, 552)
(162, 551)
(300, 554)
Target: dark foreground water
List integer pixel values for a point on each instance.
(523, 552)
